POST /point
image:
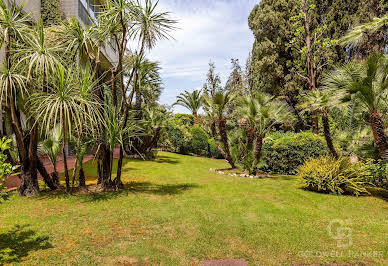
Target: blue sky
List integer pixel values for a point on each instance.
(209, 30)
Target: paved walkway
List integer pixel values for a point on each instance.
(14, 181)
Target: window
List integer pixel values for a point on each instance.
(88, 11)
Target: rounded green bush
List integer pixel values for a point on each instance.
(283, 153)
(199, 141)
(176, 137)
(214, 152)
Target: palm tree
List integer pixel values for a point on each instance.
(358, 33)
(215, 107)
(113, 134)
(13, 30)
(366, 83)
(78, 40)
(150, 26)
(320, 101)
(191, 101)
(262, 113)
(63, 104)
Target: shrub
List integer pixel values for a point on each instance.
(326, 174)
(6, 169)
(184, 120)
(176, 137)
(199, 141)
(283, 153)
(378, 173)
(214, 152)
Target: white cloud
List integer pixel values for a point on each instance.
(210, 30)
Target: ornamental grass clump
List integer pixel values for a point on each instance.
(328, 175)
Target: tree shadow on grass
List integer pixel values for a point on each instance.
(165, 159)
(90, 195)
(19, 242)
(140, 188)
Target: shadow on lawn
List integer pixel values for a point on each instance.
(19, 242)
(141, 187)
(165, 159)
(90, 195)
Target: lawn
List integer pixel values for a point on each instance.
(175, 211)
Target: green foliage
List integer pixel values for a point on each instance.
(184, 120)
(191, 101)
(214, 152)
(176, 137)
(51, 12)
(284, 153)
(242, 151)
(199, 141)
(6, 169)
(326, 174)
(378, 173)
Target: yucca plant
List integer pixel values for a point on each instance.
(65, 105)
(14, 30)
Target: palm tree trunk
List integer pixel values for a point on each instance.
(315, 123)
(48, 179)
(224, 139)
(81, 176)
(215, 136)
(67, 177)
(76, 161)
(257, 152)
(195, 114)
(117, 181)
(380, 139)
(327, 133)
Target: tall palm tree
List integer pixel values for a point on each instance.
(320, 101)
(215, 107)
(191, 101)
(262, 113)
(63, 104)
(366, 83)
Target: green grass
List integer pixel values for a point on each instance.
(175, 211)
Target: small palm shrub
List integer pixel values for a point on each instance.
(328, 175)
(283, 153)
